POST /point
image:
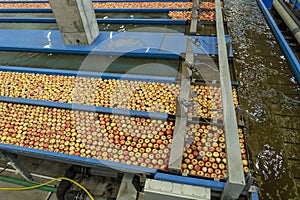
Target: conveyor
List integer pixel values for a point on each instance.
(189, 50)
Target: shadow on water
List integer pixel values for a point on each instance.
(267, 87)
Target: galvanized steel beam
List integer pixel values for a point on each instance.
(236, 180)
(76, 21)
(181, 111)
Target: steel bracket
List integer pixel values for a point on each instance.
(17, 165)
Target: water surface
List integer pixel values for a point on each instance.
(267, 90)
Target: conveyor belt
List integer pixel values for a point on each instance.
(136, 44)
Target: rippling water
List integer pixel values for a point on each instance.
(267, 86)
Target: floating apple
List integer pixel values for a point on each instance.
(209, 5)
(187, 15)
(108, 5)
(87, 134)
(137, 95)
(207, 103)
(210, 159)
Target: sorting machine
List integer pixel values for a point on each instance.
(185, 169)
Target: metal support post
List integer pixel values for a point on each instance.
(236, 181)
(181, 112)
(15, 163)
(194, 21)
(76, 21)
(127, 190)
(249, 183)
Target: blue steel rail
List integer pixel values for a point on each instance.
(97, 10)
(103, 75)
(86, 108)
(108, 20)
(66, 158)
(95, 163)
(134, 44)
(296, 3)
(263, 4)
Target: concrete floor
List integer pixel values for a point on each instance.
(19, 195)
(102, 186)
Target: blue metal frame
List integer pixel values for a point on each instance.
(66, 158)
(215, 185)
(254, 195)
(297, 3)
(104, 75)
(282, 42)
(87, 108)
(143, 21)
(25, 10)
(97, 10)
(138, 10)
(146, 45)
(109, 21)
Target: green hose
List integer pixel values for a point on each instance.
(26, 183)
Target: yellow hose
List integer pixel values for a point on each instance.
(48, 182)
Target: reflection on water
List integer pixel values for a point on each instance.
(267, 87)
(102, 27)
(97, 63)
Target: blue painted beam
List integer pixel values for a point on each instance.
(134, 44)
(109, 21)
(216, 185)
(25, 10)
(297, 3)
(115, 111)
(130, 77)
(254, 195)
(143, 21)
(138, 10)
(66, 158)
(97, 10)
(282, 42)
